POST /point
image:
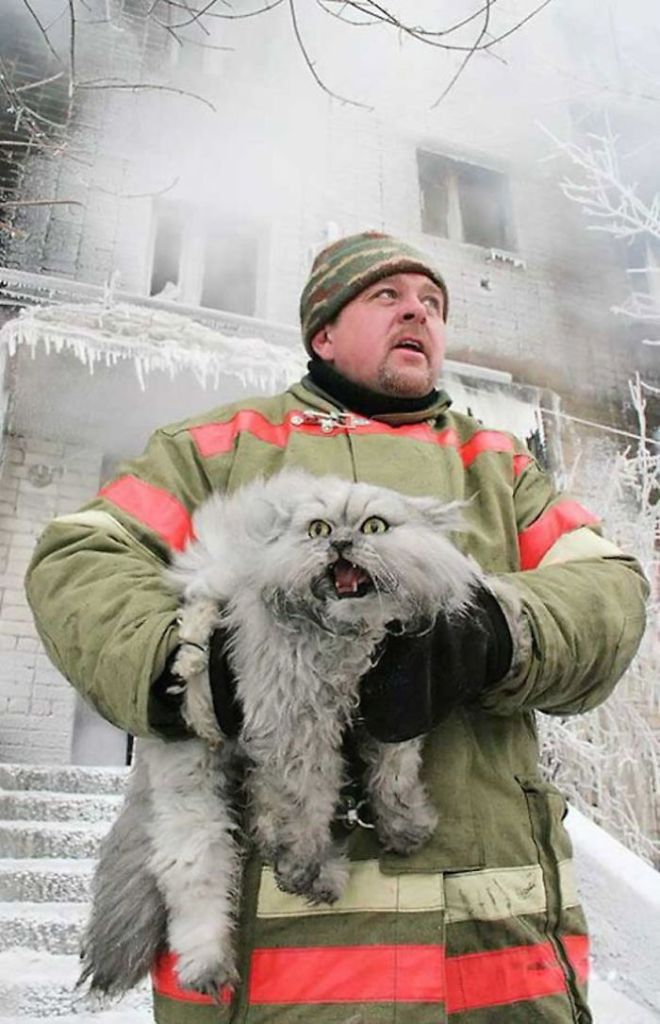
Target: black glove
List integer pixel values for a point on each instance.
(166, 696)
(418, 678)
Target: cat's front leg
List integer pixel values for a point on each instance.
(196, 859)
(405, 817)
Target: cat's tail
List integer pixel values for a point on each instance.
(128, 922)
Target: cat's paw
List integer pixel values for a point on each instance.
(295, 876)
(213, 980)
(406, 833)
(330, 883)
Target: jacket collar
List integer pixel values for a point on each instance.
(315, 397)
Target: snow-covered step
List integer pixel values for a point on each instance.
(44, 926)
(38, 805)
(54, 927)
(63, 779)
(51, 839)
(37, 880)
(136, 1015)
(38, 984)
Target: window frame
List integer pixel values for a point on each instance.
(455, 215)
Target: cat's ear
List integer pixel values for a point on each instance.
(266, 519)
(442, 515)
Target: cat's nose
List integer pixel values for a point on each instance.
(341, 546)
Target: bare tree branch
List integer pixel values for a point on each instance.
(310, 64)
(10, 203)
(44, 31)
(431, 38)
(36, 85)
(207, 12)
(466, 59)
(139, 86)
(133, 195)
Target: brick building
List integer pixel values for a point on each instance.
(209, 194)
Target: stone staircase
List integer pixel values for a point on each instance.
(52, 821)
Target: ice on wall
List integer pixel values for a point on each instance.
(497, 408)
(101, 334)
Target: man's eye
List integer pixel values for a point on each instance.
(319, 528)
(432, 302)
(389, 293)
(374, 524)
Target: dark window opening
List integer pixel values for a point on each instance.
(167, 248)
(230, 270)
(465, 202)
(434, 177)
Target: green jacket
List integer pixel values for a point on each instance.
(109, 623)
(492, 891)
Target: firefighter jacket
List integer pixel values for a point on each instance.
(483, 919)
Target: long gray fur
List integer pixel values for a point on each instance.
(170, 870)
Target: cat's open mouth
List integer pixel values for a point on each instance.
(349, 580)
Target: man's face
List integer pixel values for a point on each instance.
(389, 338)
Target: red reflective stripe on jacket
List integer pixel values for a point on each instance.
(395, 974)
(485, 441)
(535, 541)
(218, 438)
(520, 462)
(341, 974)
(512, 975)
(152, 506)
(577, 950)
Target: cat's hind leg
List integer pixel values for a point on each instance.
(196, 859)
(405, 817)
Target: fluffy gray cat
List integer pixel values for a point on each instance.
(305, 573)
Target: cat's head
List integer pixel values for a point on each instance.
(347, 556)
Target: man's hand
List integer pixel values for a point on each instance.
(418, 678)
(227, 708)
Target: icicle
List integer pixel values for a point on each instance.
(140, 373)
(155, 340)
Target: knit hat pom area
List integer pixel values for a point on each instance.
(344, 269)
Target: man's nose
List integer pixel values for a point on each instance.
(414, 310)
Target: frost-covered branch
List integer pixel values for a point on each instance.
(615, 206)
(607, 762)
(603, 193)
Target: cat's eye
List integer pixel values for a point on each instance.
(319, 528)
(374, 524)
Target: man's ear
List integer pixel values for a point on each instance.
(322, 344)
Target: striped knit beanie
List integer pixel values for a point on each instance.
(344, 269)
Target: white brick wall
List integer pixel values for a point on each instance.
(40, 479)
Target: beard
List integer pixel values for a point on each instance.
(404, 383)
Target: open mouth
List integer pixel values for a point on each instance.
(349, 580)
(411, 345)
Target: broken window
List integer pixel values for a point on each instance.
(203, 260)
(168, 243)
(465, 202)
(230, 269)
